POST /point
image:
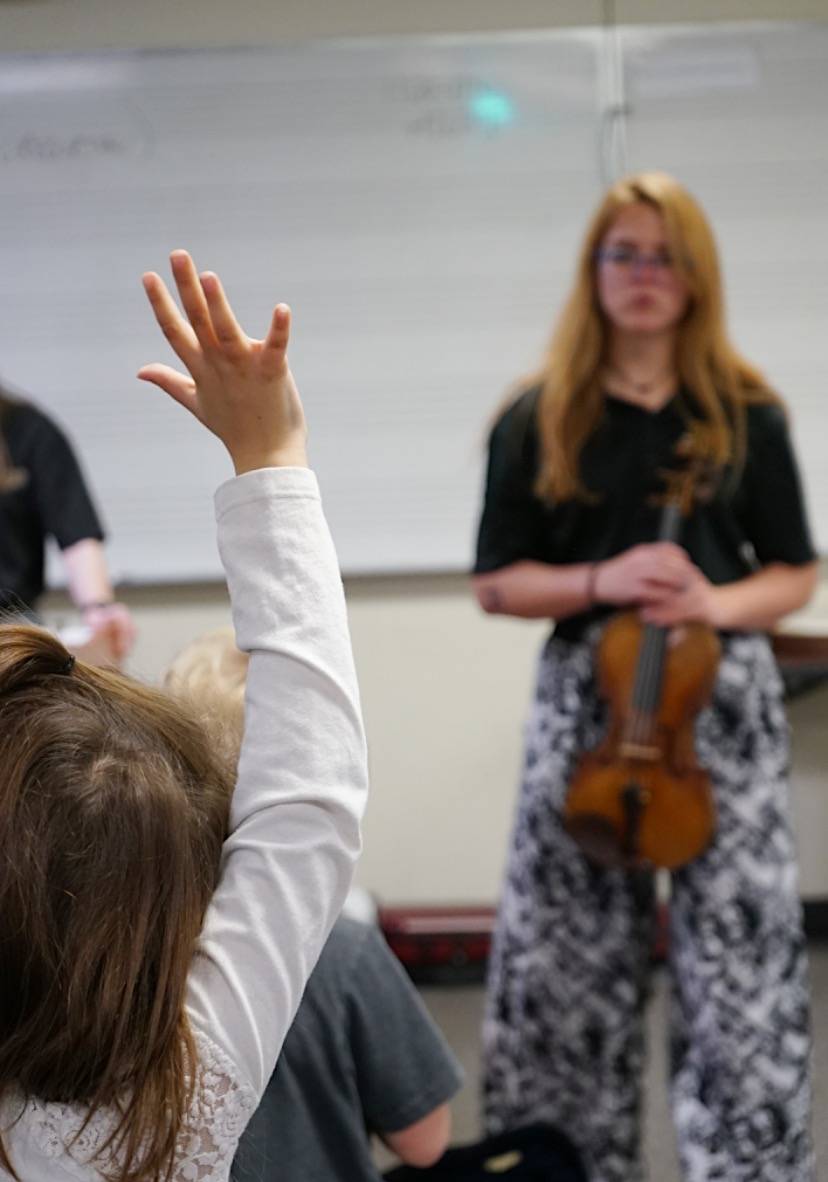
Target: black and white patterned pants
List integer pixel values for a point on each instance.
(568, 976)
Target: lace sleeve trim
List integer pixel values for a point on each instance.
(222, 1105)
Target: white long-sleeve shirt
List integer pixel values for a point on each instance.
(294, 832)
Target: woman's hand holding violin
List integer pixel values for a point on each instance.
(661, 580)
(695, 601)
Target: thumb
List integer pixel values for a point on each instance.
(180, 387)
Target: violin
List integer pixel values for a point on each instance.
(640, 799)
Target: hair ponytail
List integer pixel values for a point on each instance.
(28, 655)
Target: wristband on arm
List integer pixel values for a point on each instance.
(592, 575)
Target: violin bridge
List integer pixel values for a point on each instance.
(641, 751)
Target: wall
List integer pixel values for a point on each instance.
(39, 25)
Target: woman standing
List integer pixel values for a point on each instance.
(567, 532)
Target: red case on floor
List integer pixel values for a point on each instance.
(442, 944)
(439, 941)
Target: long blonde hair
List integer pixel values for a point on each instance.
(720, 379)
(113, 810)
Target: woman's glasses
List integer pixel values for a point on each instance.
(629, 259)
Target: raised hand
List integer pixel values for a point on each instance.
(240, 388)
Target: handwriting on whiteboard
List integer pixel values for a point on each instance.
(46, 147)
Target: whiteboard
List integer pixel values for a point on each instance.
(418, 202)
(740, 114)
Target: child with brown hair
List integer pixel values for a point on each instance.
(157, 929)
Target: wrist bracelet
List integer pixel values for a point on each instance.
(83, 608)
(592, 575)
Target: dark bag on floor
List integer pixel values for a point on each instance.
(537, 1153)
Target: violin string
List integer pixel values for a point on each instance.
(651, 662)
(638, 693)
(633, 728)
(640, 689)
(649, 686)
(642, 683)
(646, 661)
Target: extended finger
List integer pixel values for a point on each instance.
(125, 634)
(665, 578)
(652, 593)
(274, 348)
(193, 299)
(118, 628)
(123, 640)
(661, 619)
(179, 386)
(227, 329)
(665, 613)
(173, 325)
(670, 555)
(669, 550)
(109, 635)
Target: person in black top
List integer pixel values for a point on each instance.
(568, 532)
(43, 494)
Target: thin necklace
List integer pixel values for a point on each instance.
(641, 386)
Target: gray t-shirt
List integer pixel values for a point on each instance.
(363, 1056)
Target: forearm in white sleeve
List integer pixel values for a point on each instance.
(302, 780)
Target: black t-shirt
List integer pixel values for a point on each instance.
(47, 497)
(753, 519)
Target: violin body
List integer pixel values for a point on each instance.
(641, 799)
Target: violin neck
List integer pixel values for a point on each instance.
(649, 672)
(669, 527)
